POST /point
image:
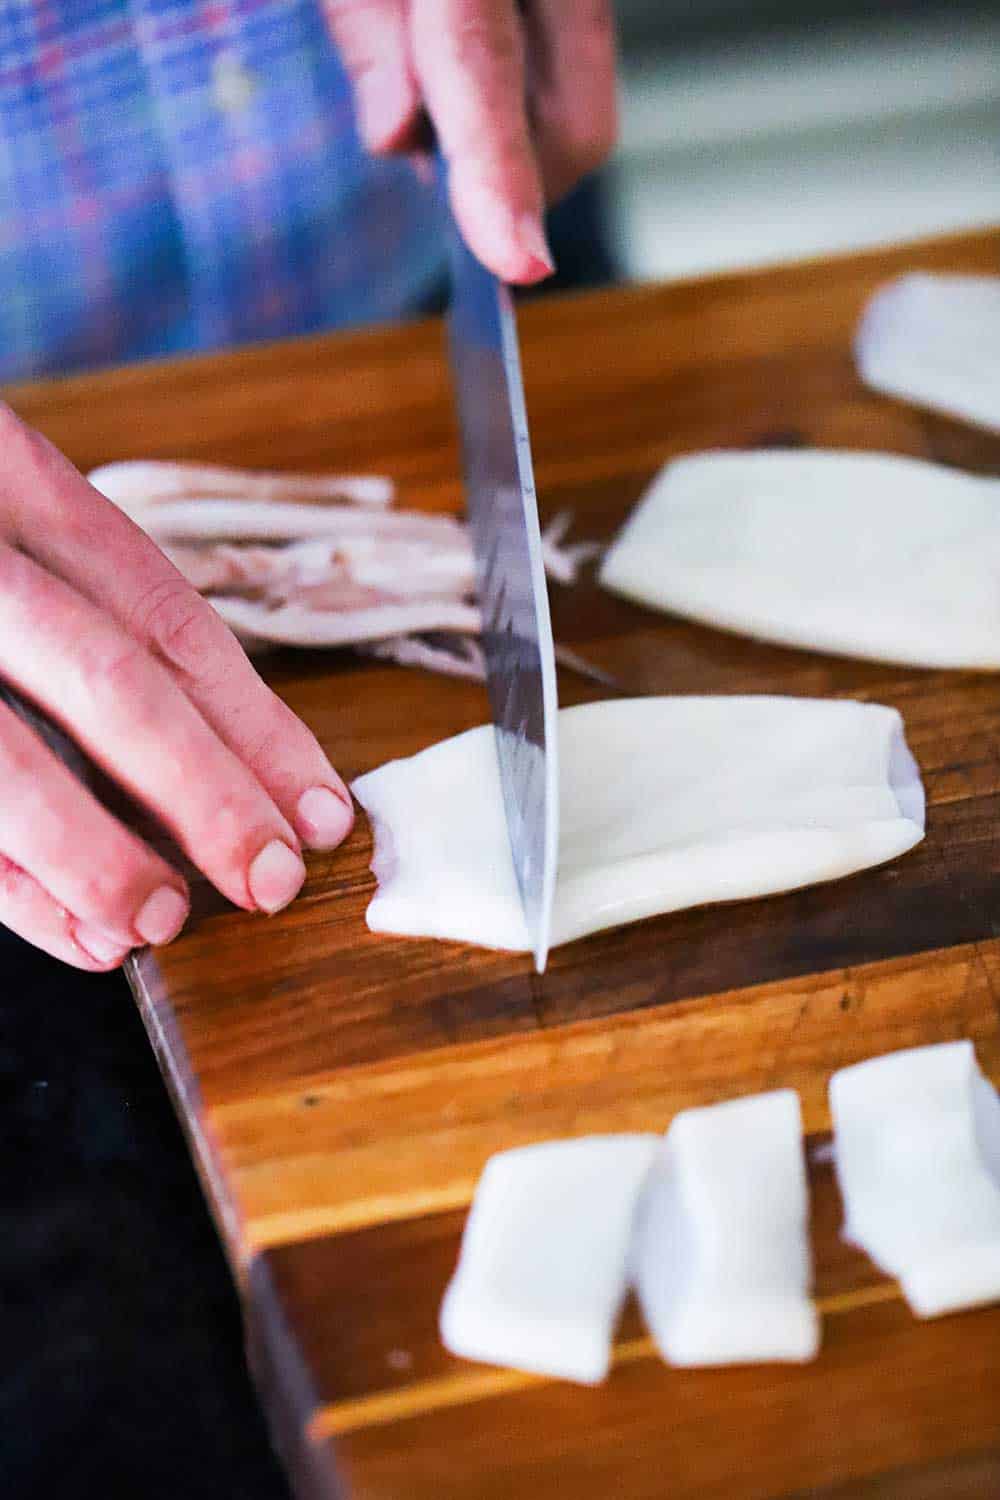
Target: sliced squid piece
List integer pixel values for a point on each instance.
(860, 554)
(935, 340)
(664, 803)
(340, 571)
(721, 1261)
(543, 1269)
(917, 1138)
(319, 571)
(449, 655)
(137, 484)
(298, 625)
(220, 520)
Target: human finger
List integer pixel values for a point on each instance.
(28, 910)
(126, 711)
(55, 830)
(76, 533)
(469, 60)
(571, 88)
(372, 40)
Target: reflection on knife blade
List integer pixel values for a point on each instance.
(517, 631)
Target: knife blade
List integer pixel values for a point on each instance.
(517, 629)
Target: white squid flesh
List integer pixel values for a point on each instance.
(665, 803)
(721, 1260)
(543, 1269)
(917, 1152)
(935, 340)
(861, 554)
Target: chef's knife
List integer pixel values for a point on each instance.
(517, 630)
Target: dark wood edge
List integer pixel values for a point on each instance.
(285, 1390)
(146, 983)
(283, 1384)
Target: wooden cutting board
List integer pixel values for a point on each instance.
(341, 1092)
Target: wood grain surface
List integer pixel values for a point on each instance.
(341, 1092)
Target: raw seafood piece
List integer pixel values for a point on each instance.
(863, 554)
(543, 1269)
(935, 340)
(452, 655)
(298, 625)
(664, 803)
(137, 484)
(721, 1259)
(214, 519)
(282, 571)
(918, 1162)
(320, 571)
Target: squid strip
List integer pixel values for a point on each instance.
(917, 1138)
(296, 625)
(721, 1259)
(283, 571)
(543, 1269)
(225, 520)
(141, 483)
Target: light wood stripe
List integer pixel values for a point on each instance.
(464, 1388)
(292, 1174)
(416, 1400)
(274, 1230)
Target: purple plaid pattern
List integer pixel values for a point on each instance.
(179, 174)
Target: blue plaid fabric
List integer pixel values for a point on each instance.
(179, 174)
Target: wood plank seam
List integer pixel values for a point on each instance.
(423, 1397)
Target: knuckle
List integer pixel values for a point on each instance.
(482, 58)
(182, 631)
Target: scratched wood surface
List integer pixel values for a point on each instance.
(341, 1092)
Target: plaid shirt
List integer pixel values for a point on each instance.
(178, 174)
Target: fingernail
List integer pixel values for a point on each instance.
(275, 876)
(531, 238)
(322, 818)
(103, 949)
(162, 916)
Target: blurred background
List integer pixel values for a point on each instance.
(757, 131)
(214, 193)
